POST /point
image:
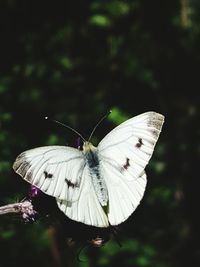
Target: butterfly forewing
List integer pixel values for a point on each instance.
(124, 154)
(56, 170)
(131, 144)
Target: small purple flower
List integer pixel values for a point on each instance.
(27, 211)
(78, 142)
(34, 191)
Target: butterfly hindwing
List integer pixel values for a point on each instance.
(87, 208)
(124, 194)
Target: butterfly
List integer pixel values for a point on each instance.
(98, 186)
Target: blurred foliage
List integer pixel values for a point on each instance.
(75, 60)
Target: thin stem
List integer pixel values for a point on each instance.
(10, 208)
(24, 208)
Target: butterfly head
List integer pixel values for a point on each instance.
(87, 147)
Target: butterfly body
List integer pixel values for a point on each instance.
(92, 160)
(98, 186)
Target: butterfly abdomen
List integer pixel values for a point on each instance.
(99, 184)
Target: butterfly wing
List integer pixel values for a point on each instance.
(87, 209)
(55, 170)
(61, 172)
(124, 154)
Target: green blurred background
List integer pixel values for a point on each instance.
(74, 61)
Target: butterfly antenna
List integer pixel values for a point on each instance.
(103, 118)
(58, 122)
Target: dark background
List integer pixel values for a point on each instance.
(74, 61)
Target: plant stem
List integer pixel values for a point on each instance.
(11, 208)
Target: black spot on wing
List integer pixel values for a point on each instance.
(48, 175)
(70, 184)
(140, 143)
(127, 164)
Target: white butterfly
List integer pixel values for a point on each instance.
(101, 185)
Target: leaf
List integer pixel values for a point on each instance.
(100, 20)
(117, 116)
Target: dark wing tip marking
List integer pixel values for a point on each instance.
(29, 175)
(155, 133)
(156, 120)
(19, 161)
(21, 167)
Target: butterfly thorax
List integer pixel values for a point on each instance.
(87, 147)
(92, 160)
